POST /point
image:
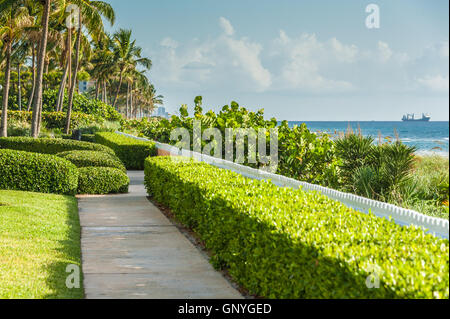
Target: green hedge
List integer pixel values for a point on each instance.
(49, 145)
(132, 152)
(102, 180)
(93, 159)
(286, 243)
(88, 138)
(35, 172)
(55, 119)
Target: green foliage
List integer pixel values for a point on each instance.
(53, 120)
(102, 180)
(355, 151)
(429, 186)
(285, 243)
(307, 156)
(131, 152)
(88, 138)
(374, 171)
(302, 155)
(81, 104)
(92, 159)
(37, 173)
(50, 145)
(93, 128)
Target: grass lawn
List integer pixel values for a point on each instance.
(429, 186)
(39, 237)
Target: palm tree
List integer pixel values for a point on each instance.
(103, 64)
(32, 36)
(37, 99)
(13, 19)
(127, 56)
(93, 12)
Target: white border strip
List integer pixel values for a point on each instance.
(436, 226)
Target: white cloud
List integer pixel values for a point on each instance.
(169, 43)
(384, 51)
(226, 26)
(303, 60)
(343, 53)
(298, 64)
(245, 56)
(223, 62)
(436, 83)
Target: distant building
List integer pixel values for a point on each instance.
(84, 86)
(161, 112)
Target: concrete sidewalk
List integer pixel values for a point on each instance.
(131, 250)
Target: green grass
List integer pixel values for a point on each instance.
(39, 237)
(429, 186)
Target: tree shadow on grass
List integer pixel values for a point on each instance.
(69, 253)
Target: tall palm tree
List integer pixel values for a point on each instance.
(37, 99)
(14, 19)
(103, 64)
(92, 11)
(127, 55)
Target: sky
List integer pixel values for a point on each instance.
(304, 60)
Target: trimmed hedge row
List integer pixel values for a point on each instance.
(286, 243)
(132, 152)
(93, 159)
(49, 145)
(35, 172)
(88, 138)
(102, 180)
(55, 119)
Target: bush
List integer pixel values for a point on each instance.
(54, 120)
(132, 152)
(88, 138)
(34, 172)
(50, 145)
(302, 154)
(92, 159)
(81, 104)
(285, 243)
(102, 180)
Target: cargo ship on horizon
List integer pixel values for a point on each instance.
(411, 118)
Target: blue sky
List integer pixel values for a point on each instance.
(299, 60)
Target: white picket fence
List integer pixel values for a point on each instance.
(436, 226)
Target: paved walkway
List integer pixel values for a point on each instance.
(131, 250)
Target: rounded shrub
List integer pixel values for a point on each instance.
(102, 180)
(35, 172)
(50, 145)
(131, 152)
(92, 159)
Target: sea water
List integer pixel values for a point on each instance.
(427, 137)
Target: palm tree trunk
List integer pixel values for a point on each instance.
(118, 88)
(4, 125)
(62, 87)
(74, 77)
(33, 62)
(40, 72)
(19, 87)
(131, 101)
(128, 99)
(97, 89)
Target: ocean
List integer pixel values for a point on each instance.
(428, 137)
